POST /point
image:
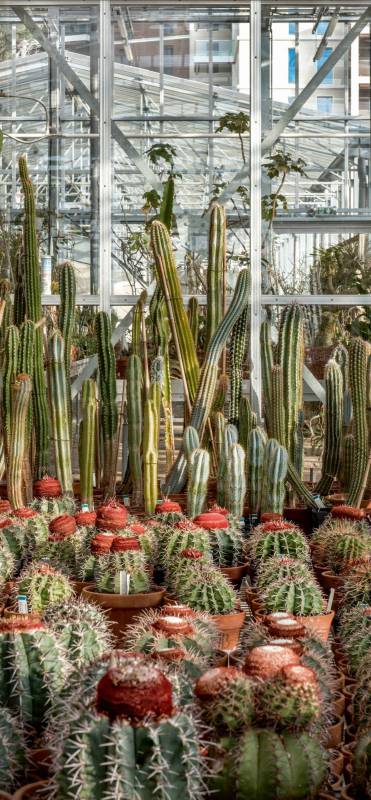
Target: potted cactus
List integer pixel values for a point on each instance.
(173, 626)
(226, 698)
(302, 597)
(277, 538)
(227, 543)
(81, 628)
(43, 586)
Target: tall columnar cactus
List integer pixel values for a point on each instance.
(168, 279)
(10, 371)
(206, 389)
(191, 441)
(255, 460)
(237, 353)
(167, 203)
(266, 351)
(21, 396)
(347, 460)
(136, 343)
(107, 387)
(219, 428)
(247, 419)
(333, 427)
(150, 457)
(277, 424)
(87, 441)
(274, 474)
(194, 318)
(290, 356)
(67, 291)
(59, 412)
(236, 480)
(163, 329)
(198, 476)
(155, 390)
(135, 424)
(34, 313)
(299, 444)
(230, 437)
(215, 270)
(358, 355)
(27, 336)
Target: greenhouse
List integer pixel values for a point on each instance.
(185, 400)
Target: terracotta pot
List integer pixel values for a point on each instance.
(234, 574)
(331, 581)
(40, 761)
(347, 793)
(229, 627)
(123, 608)
(338, 684)
(338, 703)
(349, 691)
(348, 752)
(5, 796)
(301, 517)
(335, 733)
(78, 586)
(350, 733)
(320, 624)
(349, 713)
(336, 762)
(32, 791)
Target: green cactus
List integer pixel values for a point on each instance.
(107, 387)
(236, 481)
(355, 635)
(150, 457)
(361, 699)
(191, 441)
(215, 270)
(167, 203)
(59, 412)
(247, 422)
(82, 629)
(9, 374)
(362, 764)
(184, 537)
(279, 568)
(277, 404)
(7, 562)
(297, 596)
(44, 587)
(344, 550)
(299, 445)
(333, 427)
(237, 353)
(290, 357)
(17, 455)
(219, 428)
(277, 539)
(67, 291)
(14, 537)
(227, 545)
(12, 751)
(155, 392)
(230, 437)
(229, 708)
(136, 344)
(358, 356)
(357, 587)
(347, 457)
(273, 479)
(204, 588)
(87, 442)
(135, 424)
(158, 630)
(198, 476)
(34, 313)
(161, 335)
(26, 355)
(194, 318)
(287, 702)
(108, 567)
(266, 351)
(255, 461)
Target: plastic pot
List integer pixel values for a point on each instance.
(320, 624)
(32, 791)
(229, 627)
(123, 608)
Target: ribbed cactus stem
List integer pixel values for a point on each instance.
(136, 344)
(150, 457)
(230, 437)
(255, 460)
(299, 444)
(236, 487)
(347, 456)
(34, 313)
(67, 291)
(87, 442)
(219, 427)
(247, 419)
(17, 446)
(10, 370)
(191, 441)
(215, 270)
(107, 387)
(277, 425)
(163, 329)
(198, 476)
(135, 424)
(290, 357)
(155, 390)
(333, 417)
(167, 203)
(27, 335)
(266, 351)
(237, 353)
(194, 317)
(274, 475)
(59, 412)
(358, 357)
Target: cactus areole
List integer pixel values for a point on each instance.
(127, 692)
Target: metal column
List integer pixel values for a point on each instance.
(94, 156)
(105, 163)
(255, 212)
(53, 142)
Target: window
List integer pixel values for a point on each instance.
(292, 27)
(324, 104)
(292, 64)
(322, 27)
(320, 61)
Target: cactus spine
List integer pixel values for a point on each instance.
(274, 474)
(358, 355)
(135, 424)
(290, 351)
(215, 270)
(193, 316)
(34, 313)
(198, 476)
(333, 426)
(237, 354)
(59, 412)
(277, 406)
(107, 386)
(87, 441)
(155, 391)
(230, 437)
(267, 364)
(27, 336)
(247, 419)
(21, 392)
(150, 457)
(10, 369)
(236, 480)
(67, 291)
(255, 460)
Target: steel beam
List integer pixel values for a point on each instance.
(105, 159)
(255, 208)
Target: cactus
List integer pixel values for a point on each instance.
(155, 392)
(333, 427)
(361, 700)
(14, 536)
(204, 588)
(358, 355)
(198, 476)
(273, 480)
(362, 764)
(134, 713)
(347, 457)
(33, 668)
(236, 480)
(226, 699)
(7, 561)
(206, 388)
(355, 635)
(21, 395)
(264, 765)
(343, 551)
(247, 421)
(291, 699)
(237, 353)
(279, 568)
(227, 546)
(44, 587)
(277, 404)
(219, 429)
(12, 751)
(357, 587)
(194, 318)
(167, 202)
(186, 535)
(135, 423)
(161, 332)
(290, 352)
(297, 596)
(67, 291)
(82, 629)
(150, 457)
(108, 567)
(59, 412)
(34, 313)
(26, 355)
(230, 437)
(107, 387)
(173, 627)
(191, 441)
(255, 461)
(9, 374)
(267, 365)
(299, 445)
(215, 270)
(277, 539)
(136, 344)
(87, 442)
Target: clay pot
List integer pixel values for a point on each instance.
(78, 586)
(32, 791)
(338, 703)
(123, 608)
(320, 624)
(47, 487)
(331, 581)
(347, 793)
(350, 733)
(229, 627)
(335, 733)
(338, 684)
(234, 574)
(348, 752)
(336, 763)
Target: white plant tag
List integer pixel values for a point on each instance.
(124, 582)
(330, 600)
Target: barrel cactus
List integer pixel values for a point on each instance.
(204, 588)
(7, 562)
(362, 764)
(125, 555)
(345, 550)
(301, 597)
(186, 534)
(82, 628)
(357, 586)
(12, 751)
(174, 626)
(278, 538)
(226, 699)
(291, 699)
(43, 587)
(279, 568)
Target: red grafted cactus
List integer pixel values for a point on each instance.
(47, 487)
(101, 543)
(86, 518)
(211, 520)
(135, 692)
(61, 527)
(111, 516)
(266, 661)
(122, 543)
